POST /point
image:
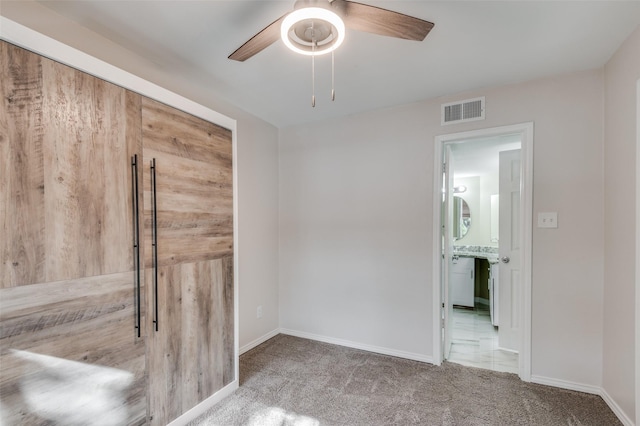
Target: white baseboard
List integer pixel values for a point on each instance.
(259, 341)
(482, 301)
(595, 390)
(565, 384)
(355, 345)
(626, 421)
(202, 408)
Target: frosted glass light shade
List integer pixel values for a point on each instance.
(305, 47)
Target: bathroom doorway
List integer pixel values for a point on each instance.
(481, 331)
(470, 256)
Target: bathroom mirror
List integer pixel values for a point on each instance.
(461, 218)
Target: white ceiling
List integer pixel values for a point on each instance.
(474, 44)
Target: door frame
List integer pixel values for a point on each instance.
(637, 346)
(526, 229)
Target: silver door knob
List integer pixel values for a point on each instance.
(505, 259)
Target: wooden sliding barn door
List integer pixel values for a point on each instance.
(188, 212)
(69, 352)
(83, 341)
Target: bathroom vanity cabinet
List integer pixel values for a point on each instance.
(474, 278)
(462, 281)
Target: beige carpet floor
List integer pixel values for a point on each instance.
(288, 381)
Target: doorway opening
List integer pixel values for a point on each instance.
(482, 264)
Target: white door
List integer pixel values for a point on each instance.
(509, 250)
(447, 235)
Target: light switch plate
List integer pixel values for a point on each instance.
(548, 220)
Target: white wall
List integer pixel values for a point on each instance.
(258, 230)
(257, 164)
(355, 230)
(356, 225)
(621, 75)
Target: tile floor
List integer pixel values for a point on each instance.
(474, 342)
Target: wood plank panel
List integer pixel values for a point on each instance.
(192, 354)
(183, 135)
(185, 224)
(171, 251)
(76, 338)
(218, 173)
(226, 304)
(164, 356)
(65, 192)
(194, 185)
(87, 173)
(22, 254)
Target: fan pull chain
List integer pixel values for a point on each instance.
(313, 81)
(333, 78)
(313, 74)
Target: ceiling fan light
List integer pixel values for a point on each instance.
(313, 14)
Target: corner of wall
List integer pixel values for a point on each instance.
(620, 299)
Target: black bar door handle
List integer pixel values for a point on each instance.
(154, 239)
(136, 239)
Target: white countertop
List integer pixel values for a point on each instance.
(482, 252)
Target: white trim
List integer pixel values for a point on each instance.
(481, 300)
(513, 351)
(355, 345)
(526, 260)
(259, 341)
(526, 218)
(205, 405)
(436, 249)
(236, 254)
(579, 387)
(565, 384)
(27, 38)
(626, 421)
(24, 37)
(637, 348)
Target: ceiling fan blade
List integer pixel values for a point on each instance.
(258, 42)
(371, 19)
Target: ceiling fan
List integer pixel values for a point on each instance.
(316, 27)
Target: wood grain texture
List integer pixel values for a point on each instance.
(22, 254)
(88, 321)
(192, 354)
(87, 174)
(228, 328)
(66, 190)
(67, 338)
(194, 185)
(68, 305)
(183, 135)
(259, 42)
(375, 20)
